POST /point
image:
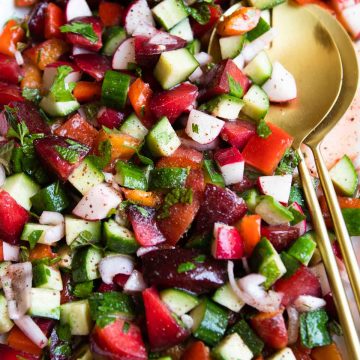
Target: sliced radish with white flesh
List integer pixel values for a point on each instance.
(113, 265)
(231, 164)
(196, 75)
(203, 58)
(145, 30)
(227, 243)
(351, 20)
(281, 87)
(124, 55)
(320, 272)
(135, 283)
(77, 50)
(31, 330)
(10, 252)
(305, 303)
(97, 203)
(51, 218)
(138, 14)
(77, 8)
(276, 186)
(203, 128)
(50, 73)
(302, 224)
(195, 145)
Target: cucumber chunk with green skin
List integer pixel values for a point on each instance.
(113, 37)
(51, 198)
(303, 248)
(22, 188)
(133, 126)
(261, 28)
(5, 323)
(259, 68)
(183, 30)
(76, 314)
(162, 139)
(352, 221)
(86, 176)
(211, 175)
(178, 301)
(75, 226)
(210, 322)
(247, 334)
(65, 254)
(130, 176)
(291, 264)
(265, 4)
(194, 46)
(85, 264)
(168, 178)
(53, 108)
(226, 297)
(174, 67)
(224, 106)
(119, 239)
(231, 46)
(232, 347)
(169, 13)
(344, 176)
(29, 228)
(284, 354)
(115, 88)
(256, 103)
(46, 277)
(45, 303)
(252, 199)
(272, 212)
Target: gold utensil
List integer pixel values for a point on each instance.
(307, 50)
(347, 93)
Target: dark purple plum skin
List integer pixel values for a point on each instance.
(36, 21)
(281, 236)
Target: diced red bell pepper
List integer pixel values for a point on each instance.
(238, 133)
(22, 3)
(271, 328)
(110, 118)
(87, 91)
(110, 13)
(7, 353)
(10, 71)
(11, 34)
(302, 282)
(200, 30)
(54, 18)
(13, 217)
(196, 350)
(163, 329)
(9, 93)
(280, 236)
(94, 65)
(121, 340)
(227, 243)
(182, 157)
(265, 154)
(77, 128)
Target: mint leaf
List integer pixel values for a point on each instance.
(288, 163)
(186, 266)
(104, 158)
(175, 196)
(60, 90)
(34, 237)
(68, 154)
(6, 151)
(31, 94)
(84, 29)
(83, 290)
(235, 89)
(263, 129)
(83, 239)
(200, 13)
(195, 128)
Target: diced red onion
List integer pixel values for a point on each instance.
(200, 147)
(10, 252)
(135, 282)
(54, 234)
(51, 218)
(19, 59)
(196, 75)
(320, 272)
(29, 327)
(293, 325)
(113, 265)
(187, 321)
(2, 175)
(203, 58)
(245, 265)
(305, 303)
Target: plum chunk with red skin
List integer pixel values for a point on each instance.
(110, 118)
(161, 268)
(219, 205)
(237, 133)
(94, 65)
(281, 236)
(9, 93)
(216, 81)
(10, 71)
(36, 22)
(80, 40)
(46, 148)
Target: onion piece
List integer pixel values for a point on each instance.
(29, 327)
(293, 325)
(2, 175)
(200, 147)
(196, 75)
(135, 283)
(53, 234)
(203, 58)
(245, 265)
(51, 218)
(305, 303)
(10, 252)
(113, 265)
(187, 321)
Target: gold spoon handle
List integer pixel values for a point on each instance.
(341, 232)
(328, 257)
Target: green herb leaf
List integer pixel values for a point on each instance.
(83, 290)
(200, 258)
(83, 239)
(84, 29)
(126, 327)
(298, 216)
(62, 350)
(288, 163)
(186, 266)
(24, 254)
(34, 237)
(60, 90)
(6, 151)
(195, 128)
(200, 13)
(235, 89)
(335, 328)
(104, 158)
(71, 156)
(63, 332)
(175, 196)
(31, 95)
(263, 129)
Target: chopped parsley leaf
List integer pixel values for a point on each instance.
(235, 89)
(263, 129)
(84, 29)
(186, 266)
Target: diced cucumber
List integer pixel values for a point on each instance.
(47, 277)
(231, 46)
(133, 126)
(85, 264)
(51, 198)
(352, 221)
(303, 248)
(261, 28)
(178, 301)
(5, 323)
(256, 103)
(174, 67)
(168, 178)
(115, 89)
(344, 176)
(232, 347)
(162, 139)
(3, 269)
(259, 68)
(224, 106)
(130, 176)
(29, 228)
(169, 13)
(84, 353)
(76, 314)
(265, 4)
(74, 227)
(252, 199)
(225, 296)
(183, 30)
(113, 37)
(291, 264)
(119, 239)
(21, 187)
(284, 354)
(65, 254)
(86, 176)
(194, 46)
(53, 108)
(210, 322)
(45, 303)
(272, 211)
(211, 175)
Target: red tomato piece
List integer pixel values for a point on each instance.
(196, 350)
(110, 13)
(200, 30)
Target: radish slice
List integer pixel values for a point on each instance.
(29, 327)
(51, 218)
(351, 19)
(113, 265)
(320, 272)
(305, 303)
(293, 325)
(145, 30)
(135, 283)
(97, 203)
(124, 55)
(276, 186)
(10, 252)
(196, 146)
(281, 87)
(138, 15)
(187, 320)
(77, 8)
(203, 128)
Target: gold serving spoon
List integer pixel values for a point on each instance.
(307, 50)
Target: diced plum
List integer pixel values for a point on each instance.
(167, 268)
(9, 93)
(55, 341)
(94, 65)
(182, 157)
(219, 205)
(280, 236)
(83, 42)
(110, 118)
(36, 22)
(245, 184)
(237, 133)
(47, 150)
(10, 71)
(66, 294)
(172, 103)
(216, 81)
(200, 30)
(144, 225)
